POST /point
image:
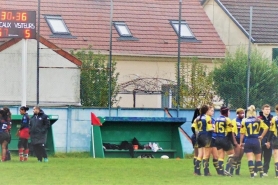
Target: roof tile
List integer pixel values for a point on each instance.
(148, 21)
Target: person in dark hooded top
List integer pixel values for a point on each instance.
(39, 124)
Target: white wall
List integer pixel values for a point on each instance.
(133, 67)
(57, 85)
(228, 31)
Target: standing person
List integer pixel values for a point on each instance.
(225, 140)
(273, 138)
(9, 127)
(237, 122)
(204, 137)
(214, 151)
(23, 134)
(194, 137)
(266, 152)
(4, 135)
(39, 124)
(250, 129)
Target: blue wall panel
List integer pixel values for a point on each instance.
(72, 130)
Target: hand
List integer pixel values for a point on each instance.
(260, 137)
(267, 145)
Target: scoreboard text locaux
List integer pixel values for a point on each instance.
(17, 24)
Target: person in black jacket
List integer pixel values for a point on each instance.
(266, 152)
(39, 124)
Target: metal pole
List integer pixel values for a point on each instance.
(249, 58)
(38, 52)
(110, 58)
(24, 72)
(179, 45)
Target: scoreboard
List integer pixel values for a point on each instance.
(17, 24)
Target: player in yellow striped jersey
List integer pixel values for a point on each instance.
(194, 137)
(204, 137)
(273, 138)
(238, 150)
(250, 129)
(225, 140)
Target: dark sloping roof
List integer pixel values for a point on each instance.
(148, 20)
(265, 15)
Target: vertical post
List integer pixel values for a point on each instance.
(249, 59)
(38, 52)
(110, 58)
(179, 45)
(24, 72)
(170, 98)
(68, 134)
(134, 98)
(93, 141)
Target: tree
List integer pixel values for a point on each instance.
(94, 79)
(196, 85)
(230, 79)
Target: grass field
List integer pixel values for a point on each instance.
(73, 169)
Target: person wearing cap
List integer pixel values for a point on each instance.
(237, 125)
(225, 140)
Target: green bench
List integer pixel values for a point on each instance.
(164, 131)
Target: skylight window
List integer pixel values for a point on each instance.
(185, 30)
(122, 29)
(57, 25)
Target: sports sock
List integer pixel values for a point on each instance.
(276, 169)
(206, 166)
(194, 163)
(221, 167)
(26, 152)
(251, 168)
(215, 164)
(229, 163)
(198, 166)
(20, 152)
(238, 167)
(260, 167)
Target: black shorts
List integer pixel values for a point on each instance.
(252, 145)
(4, 136)
(275, 143)
(22, 143)
(204, 140)
(194, 141)
(237, 140)
(212, 144)
(223, 143)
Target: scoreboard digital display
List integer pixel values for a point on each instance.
(17, 24)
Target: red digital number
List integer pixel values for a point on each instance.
(9, 16)
(27, 34)
(3, 16)
(4, 32)
(18, 16)
(24, 17)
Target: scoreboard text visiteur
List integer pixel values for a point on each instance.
(17, 24)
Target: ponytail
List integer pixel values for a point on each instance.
(251, 111)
